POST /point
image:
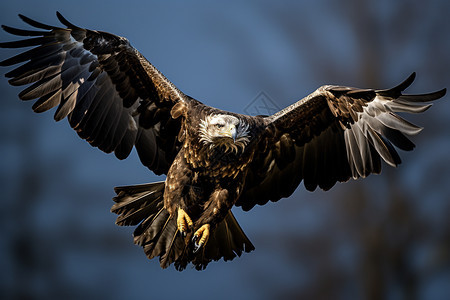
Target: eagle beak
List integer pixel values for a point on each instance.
(231, 132)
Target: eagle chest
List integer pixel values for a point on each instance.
(215, 163)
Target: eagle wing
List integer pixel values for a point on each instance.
(334, 134)
(112, 96)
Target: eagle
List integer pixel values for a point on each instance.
(213, 159)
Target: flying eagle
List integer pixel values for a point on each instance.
(213, 159)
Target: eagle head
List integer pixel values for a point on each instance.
(224, 130)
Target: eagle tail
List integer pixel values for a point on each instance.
(157, 232)
(143, 205)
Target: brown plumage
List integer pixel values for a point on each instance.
(116, 100)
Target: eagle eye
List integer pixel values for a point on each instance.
(219, 125)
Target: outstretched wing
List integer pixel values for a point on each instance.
(113, 97)
(331, 135)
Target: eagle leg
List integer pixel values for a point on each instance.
(184, 222)
(202, 236)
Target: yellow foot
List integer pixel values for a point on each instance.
(201, 237)
(184, 222)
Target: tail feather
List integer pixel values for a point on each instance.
(160, 237)
(148, 231)
(227, 241)
(171, 245)
(157, 231)
(230, 239)
(135, 203)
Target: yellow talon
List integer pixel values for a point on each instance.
(202, 236)
(184, 222)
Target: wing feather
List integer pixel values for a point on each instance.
(112, 96)
(339, 133)
(22, 32)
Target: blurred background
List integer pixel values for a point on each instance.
(385, 237)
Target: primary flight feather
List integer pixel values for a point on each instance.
(213, 159)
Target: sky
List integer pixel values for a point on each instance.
(59, 238)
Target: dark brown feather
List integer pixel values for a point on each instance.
(156, 232)
(339, 132)
(103, 84)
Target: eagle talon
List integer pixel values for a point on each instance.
(184, 222)
(202, 236)
(196, 247)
